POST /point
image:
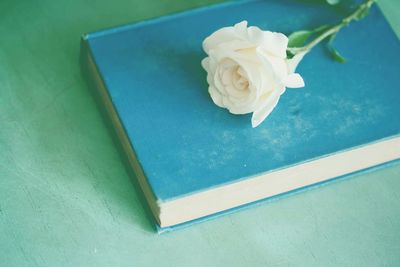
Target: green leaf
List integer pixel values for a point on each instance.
(322, 28)
(337, 56)
(334, 53)
(289, 54)
(299, 38)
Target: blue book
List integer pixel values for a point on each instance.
(194, 160)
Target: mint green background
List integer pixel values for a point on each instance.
(67, 200)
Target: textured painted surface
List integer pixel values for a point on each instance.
(66, 199)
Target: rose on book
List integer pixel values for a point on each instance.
(248, 69)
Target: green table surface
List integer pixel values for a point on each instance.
(66, 198)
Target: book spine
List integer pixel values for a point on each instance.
(110, 115)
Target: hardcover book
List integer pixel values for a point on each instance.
(194, 160)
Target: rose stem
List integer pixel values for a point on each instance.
(334, 29)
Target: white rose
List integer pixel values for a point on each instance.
(247, 69)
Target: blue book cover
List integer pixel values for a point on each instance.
(194, 160)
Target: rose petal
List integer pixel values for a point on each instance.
(217, 83)
(239, 109)
(242, 46)
(215, 96)
(235, 93)
(272, 42)
(222, 35)
(226, 77)
(277, 64)
(255, 35)
(275, 43)
(205, 63)
(263, 111)
(226, 35)
(294, 62)
(294, 80)
(241, 29)
(210, 78)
